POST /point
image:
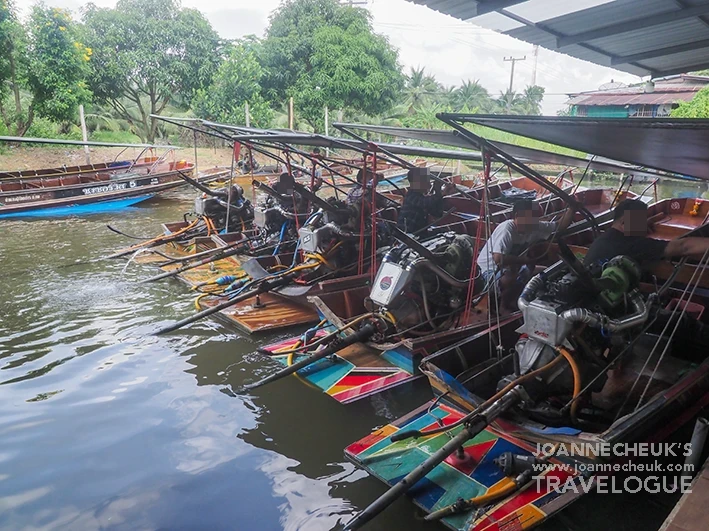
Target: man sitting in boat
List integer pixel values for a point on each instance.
(418, 204)
(503, 257)
(628, 236)
(365, 180)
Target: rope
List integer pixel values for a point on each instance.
(662, 334)
(373, 243)
(473, 265)
(702, 264)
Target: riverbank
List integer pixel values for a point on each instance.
(35, 157)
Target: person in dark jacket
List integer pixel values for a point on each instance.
(628, 236)
(418, 204)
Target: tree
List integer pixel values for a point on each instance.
(698, 107)
(471, 95)
(42, 67)
(531, 101)
(420, 90)
(322, 53)
(147, 53)
(235, 83)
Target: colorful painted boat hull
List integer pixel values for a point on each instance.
(474, 476)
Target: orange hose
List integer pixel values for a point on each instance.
(577, 381)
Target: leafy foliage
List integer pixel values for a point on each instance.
(148, 52)
(235, 83)
(698, 107)
(57, 64)
(42, 67)
(321, 53)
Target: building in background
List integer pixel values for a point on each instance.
(616, 100)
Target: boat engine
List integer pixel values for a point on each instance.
(585, 316)
(339, 223)
(279, 216)
(425, 285)
(215, 207)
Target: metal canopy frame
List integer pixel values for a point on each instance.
(642, 37)
(525, 154)
(675, 146)
(60, 141)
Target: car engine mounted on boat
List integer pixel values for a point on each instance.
(583, 316)
(215, 207)
(278, 221)
(428, 284)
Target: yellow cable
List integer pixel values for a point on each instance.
(198, 299)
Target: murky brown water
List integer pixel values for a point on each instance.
(103, 426)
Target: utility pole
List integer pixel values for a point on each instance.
(534, 67)
(247, 115)
(513, 60)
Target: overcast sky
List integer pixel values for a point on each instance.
(450, 49)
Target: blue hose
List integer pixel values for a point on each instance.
(284, 227)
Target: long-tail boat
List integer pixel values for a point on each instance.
(90, 188)
(522, 417)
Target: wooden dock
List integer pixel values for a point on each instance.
(690, 513)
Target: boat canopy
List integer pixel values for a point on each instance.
(61, 141)
(675, 146)
(529, 155)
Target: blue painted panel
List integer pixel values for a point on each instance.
(71, 210)
(487, 472)
(402, 357)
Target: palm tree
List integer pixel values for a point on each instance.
(419, 90)
(532, 100)
(509, 102)
(471, 95)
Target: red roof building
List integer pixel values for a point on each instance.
(644, 100)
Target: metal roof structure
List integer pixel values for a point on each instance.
(641, 37)
(676, 146)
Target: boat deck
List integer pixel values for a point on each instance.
(690, 513)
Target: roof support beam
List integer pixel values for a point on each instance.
(632, 25)
(542, 27)
(488, 6)
(659, 52)
(680, 70)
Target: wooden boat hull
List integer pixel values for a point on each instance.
(55, 193)
(681, 391)
(453, 479)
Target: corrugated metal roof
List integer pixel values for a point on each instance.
(642, 37)
(653, 98)
(666, 91)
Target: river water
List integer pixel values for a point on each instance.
(103, 426)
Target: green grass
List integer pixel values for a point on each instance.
(502, 136)
(119, 137)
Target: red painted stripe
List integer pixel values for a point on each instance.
(349, 395)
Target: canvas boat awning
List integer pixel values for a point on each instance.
(529, 155)
(675, 146)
